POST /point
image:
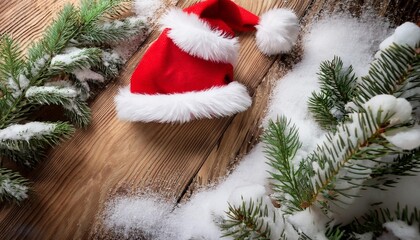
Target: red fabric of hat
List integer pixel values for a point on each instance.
(187, 73)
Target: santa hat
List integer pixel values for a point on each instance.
(187, 73)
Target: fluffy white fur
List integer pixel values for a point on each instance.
(277, 31)
(196, 37)
(215, 102)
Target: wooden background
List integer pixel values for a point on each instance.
(112, 157)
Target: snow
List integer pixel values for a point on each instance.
(18, 85)
(19, 192)
(406, 138)
(408, 33)
(68, 92)
(87, 74)
(402, 231)
(146, 11)
(399, 108)
(26, 131)
(69, 56)
(355, 41)
(147, 8)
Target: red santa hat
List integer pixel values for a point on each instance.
(187, 73)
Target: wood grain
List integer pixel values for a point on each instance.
(112, 157)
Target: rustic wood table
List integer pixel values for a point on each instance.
(111, 157)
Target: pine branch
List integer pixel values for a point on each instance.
(55, 72)
(11, 62)
(13, 187)
(337, 89)
(74, 59)
(247, 221)
(282, 143)
(346, 159)
(92, 11)
(395, 72)
(111, 32)
(374, 220)
(25, 143)
(322, 109)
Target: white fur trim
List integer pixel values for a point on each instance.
(277, 31)
(182, 107)
(196, 37)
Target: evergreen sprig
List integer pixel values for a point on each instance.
(282, 143)
(13, 187)
(356, 153)
(374, 220)
(395, 72)
(56, 71)
(247, 221)
(337, 89)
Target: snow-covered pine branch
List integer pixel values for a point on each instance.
(58, 70)
(375, 137)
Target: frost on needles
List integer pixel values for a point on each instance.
(74, 53)
(373, 136)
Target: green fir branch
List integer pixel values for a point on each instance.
(282, 143)
(321, 107)
(337, 89)
(395, 72)
(355, 158)
(85, 59)
(11, 61)
(46, 76)
(114, 31)
(247, 221)
(13, 187)
(374, 220)
(92, 11)
(29, 150)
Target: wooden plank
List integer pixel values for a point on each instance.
(70, 186)
(111, 156)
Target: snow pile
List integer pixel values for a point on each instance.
(147, 216)
(355, 41)
(408, 33)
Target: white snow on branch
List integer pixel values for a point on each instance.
(17, 86)
(26, 131)
(69, 56)
(87, 74)
(19, 192)
(405, 138)
(401, 230)
(406, 34)
(68, 92)
(109, 58)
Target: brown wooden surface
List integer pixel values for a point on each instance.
(111, 156)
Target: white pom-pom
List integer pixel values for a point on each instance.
(277, 31)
